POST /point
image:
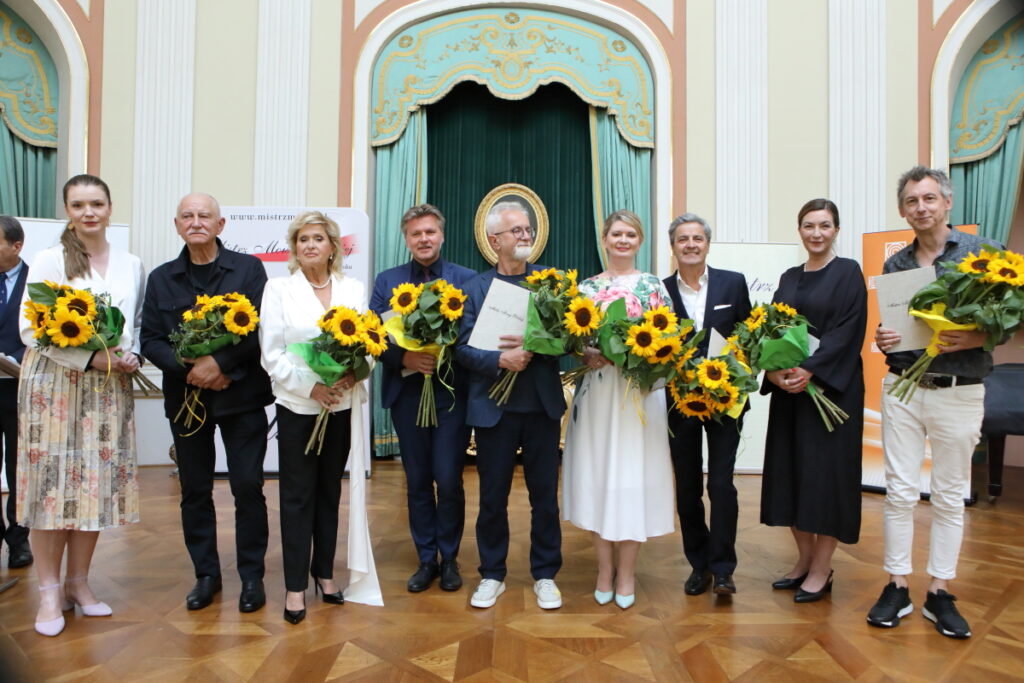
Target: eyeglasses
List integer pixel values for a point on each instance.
(517, 232)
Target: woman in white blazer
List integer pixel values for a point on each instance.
(310, 484)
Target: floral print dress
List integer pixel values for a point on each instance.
(616, 470)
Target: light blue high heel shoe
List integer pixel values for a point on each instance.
(625, 601)
(603, 597)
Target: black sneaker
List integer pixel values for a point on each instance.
(892, 604)
(939, 607)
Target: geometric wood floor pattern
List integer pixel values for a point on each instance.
(143, 572)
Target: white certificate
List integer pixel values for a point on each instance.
(502, 313)
(895, 290)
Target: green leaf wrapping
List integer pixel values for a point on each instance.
(788, 351)
(537, 338)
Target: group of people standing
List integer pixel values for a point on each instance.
(75, 471)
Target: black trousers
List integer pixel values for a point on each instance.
(12, 533)
(433, 456)
(706, 548)
(496, 446)
(245, 443)
(310, 489)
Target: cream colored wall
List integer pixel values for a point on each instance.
(225, 100)
(798, 111)
(700, 111)
(324, 104)
(901, 99)
(116, 144)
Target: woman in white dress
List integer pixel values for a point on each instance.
(617, 472)
(76, 433)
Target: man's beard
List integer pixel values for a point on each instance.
(522, 252)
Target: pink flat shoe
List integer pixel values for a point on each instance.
(51, 627)
(96, 609)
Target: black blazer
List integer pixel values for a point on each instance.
(10, 318)
(728, 302)
(169, 291)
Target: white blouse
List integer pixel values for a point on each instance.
(125, 282)
(288, 314)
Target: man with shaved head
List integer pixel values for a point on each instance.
(234, 389)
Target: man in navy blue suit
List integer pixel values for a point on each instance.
(713, 299)
(531, 419)
(430, 455)
(13, 274)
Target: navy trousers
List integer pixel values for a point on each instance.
(433, 456)
(706, 548)
(14, 534)
(538, 435)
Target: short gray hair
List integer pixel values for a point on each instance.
(919, 173)
(494, 215)
(688, 218)
(421, 210)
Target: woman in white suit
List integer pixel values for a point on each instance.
(310, 484)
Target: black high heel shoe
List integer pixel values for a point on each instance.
(329, 598)
(808, 596)
(294, 616)
(788, 584)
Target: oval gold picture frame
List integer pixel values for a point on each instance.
(534, 207)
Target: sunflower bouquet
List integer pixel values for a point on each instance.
(64, 316)
(984, 292)
(209, 325)
(345, 341)
(774, 337)
(711, 387)
(428, 322)
(558, 321)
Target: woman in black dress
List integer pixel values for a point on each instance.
(812, 477)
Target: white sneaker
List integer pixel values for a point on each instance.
(548, 595)
(487, 593)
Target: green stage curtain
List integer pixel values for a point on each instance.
(985, 191)
(622, 174)
(401, 183)
(27, 177)
(477, 142)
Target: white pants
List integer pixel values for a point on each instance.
(951, 419)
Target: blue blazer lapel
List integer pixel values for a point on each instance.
(14, 296)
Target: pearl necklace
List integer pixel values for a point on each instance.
(326, 282)
(824, 265)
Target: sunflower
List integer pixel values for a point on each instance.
(199, 309)
(348, 326)
(977, 265)
(723, 403)
(69, 328)
(685, 356)
(452, 300)
(326, 321)
(404, 297)
(665, 350)
(571, 289)
(370, 319)
(440, 284)
(80, 301)
(784, 309)
(756, 318)
(58, 288)
(712, 373)
(663, 318)
(1005, 271)
(241, 318)
(227, 299)
(541, 275)
(376, 342)
(582, 317)
(694, 405)
(640, 339)
(39, 316)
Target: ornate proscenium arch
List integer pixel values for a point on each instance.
(990, 97)
(28, 83)
(512, 53)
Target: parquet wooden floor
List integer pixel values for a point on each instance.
(143, 572)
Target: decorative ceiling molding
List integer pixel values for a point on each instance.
(512, 52)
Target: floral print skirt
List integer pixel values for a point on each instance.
(76, 448)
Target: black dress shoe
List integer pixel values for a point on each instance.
(424, 576)
(450, 578)
(724, 585)
(202, 593)
(788, 584)
(808, 596)
(335, 598)
(19, 556)
(253, 597)
(698, 582)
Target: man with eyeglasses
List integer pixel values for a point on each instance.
(531, 420)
